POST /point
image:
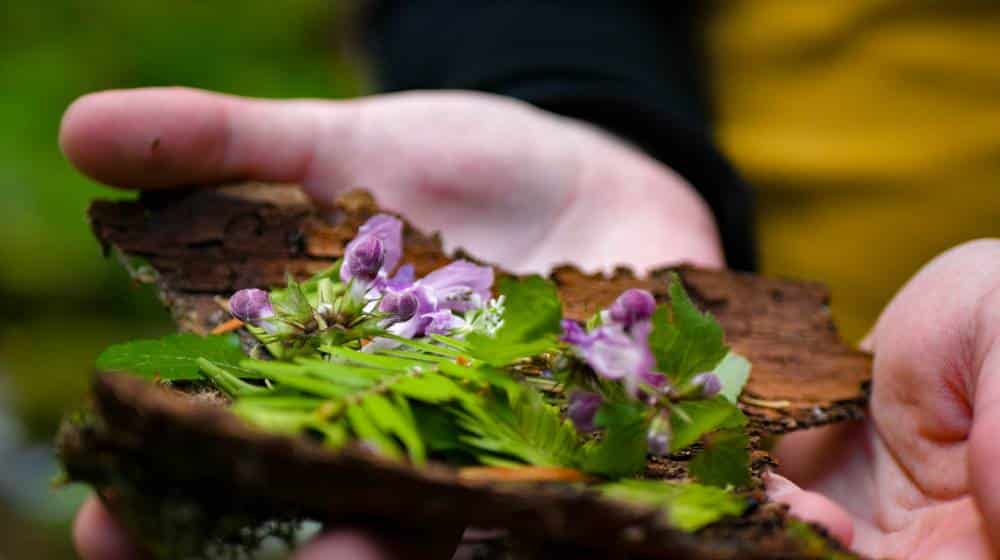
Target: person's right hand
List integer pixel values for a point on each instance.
(512, 184)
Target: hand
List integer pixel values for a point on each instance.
(918, 478)
(510, 183)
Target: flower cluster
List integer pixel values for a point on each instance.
(618, 350)
(436, 303)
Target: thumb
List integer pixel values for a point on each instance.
(984, 445)
(163, 137)
(811, 506)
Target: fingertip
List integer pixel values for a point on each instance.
(146, 138)
(345, 543)
(811, 507)
(97, 536)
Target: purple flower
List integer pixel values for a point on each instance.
(402, 305)
(442, 321)
(404, 278)
(632, 306)
(459, 286)
(617, 352)
(408, 311)
(364, 260)
(613, 354)
(360, 254)
(582, 410)
(251, 305)
(573, 333)
(707, 384)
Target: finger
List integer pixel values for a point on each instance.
(345, 544)
(810, 506)
(162, 137)
(371, 543)
(97, 536)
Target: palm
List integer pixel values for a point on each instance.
(916, 478)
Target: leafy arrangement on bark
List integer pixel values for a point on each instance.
(365, 355)
(631, 406)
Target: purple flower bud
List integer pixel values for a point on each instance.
(402, 305)
(582, 410)
(707, 384)
(364, 260)
(389, 232)
(251, 305)
(632, 306)
(658, 436)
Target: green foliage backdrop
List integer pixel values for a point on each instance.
(61, 301)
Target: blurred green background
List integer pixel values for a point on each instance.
(61, 301)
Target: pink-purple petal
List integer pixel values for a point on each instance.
(460, 285)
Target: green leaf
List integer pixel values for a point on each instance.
(686, 506)
(499, 353)
(684, 340)
(366, 429)
(733, 371)
(275, 420)
(394, 417)
(295, 376)
(622, 449)
(689, 420)
(429, 387)
(292, 302)
(342, 354)
(529, 430)
(228, 382)
(531, 309)
(531, 322)
(173, 357)
(724, 461)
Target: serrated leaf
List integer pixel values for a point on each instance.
(622, 449)
(173, 357)
(733, 371)
(689, 420)
(394, 417)
(531, 309)
(528, 430)
(724, 461)
(686, 506)
(684, 340)
(531, 322)
(499, 353)
(367, 430)
(429, 387)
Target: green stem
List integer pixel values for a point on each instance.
(227, 382)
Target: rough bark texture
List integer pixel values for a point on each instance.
(162, 445)
(203, 245)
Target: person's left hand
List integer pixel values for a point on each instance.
(918, 478)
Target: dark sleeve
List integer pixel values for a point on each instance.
(629, 66)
